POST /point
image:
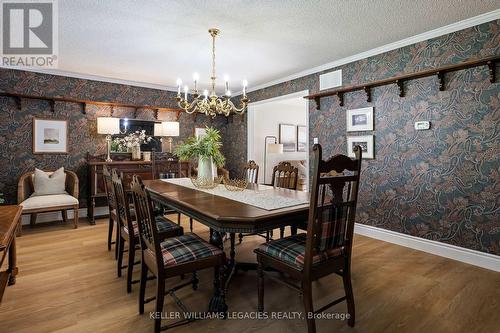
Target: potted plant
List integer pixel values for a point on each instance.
(2, 200)
(207, 149)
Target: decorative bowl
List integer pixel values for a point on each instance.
(235, 184)
(206, 183)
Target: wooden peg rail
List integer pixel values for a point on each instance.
(84, 103)
(400, 80)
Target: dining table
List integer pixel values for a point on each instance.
(253, 210)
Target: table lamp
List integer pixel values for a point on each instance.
(108, 126)
(271, 148)
(170, 129)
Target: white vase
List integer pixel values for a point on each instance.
(136, 152)
(205, 168)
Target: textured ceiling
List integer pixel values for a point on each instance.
(262, 40)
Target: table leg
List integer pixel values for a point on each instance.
(218, 301)
(12, 262)
(90, 212)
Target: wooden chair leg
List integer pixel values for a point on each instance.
(190, 224)
(120, 246)
(117, 237)
(260, 274)
(32, 219)
(308, 306)
(282, 232)
(160, 295)
(195, 281)
(346, 276)
(130, 267)
(240, 238)
(64, 214)
(179, 218)
(75, 218)
(142, 286)
(111, 225)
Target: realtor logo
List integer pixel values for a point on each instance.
(29, 33)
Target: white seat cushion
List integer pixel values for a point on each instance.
(48, 201)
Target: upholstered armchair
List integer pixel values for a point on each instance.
(48, 203)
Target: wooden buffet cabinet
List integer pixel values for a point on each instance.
(159, 167)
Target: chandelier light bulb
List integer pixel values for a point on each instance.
(245, 83)
(205, 92)
(226, 78)
(228, 93)
(196, 77)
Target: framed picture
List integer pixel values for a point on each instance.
(50, 136)
(360, 119)
(301, 138)
(288, 138)
(366, 143)
(200, 131)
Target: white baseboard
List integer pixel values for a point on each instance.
(56, 216)
(472, 257)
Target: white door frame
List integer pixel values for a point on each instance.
(250, 119)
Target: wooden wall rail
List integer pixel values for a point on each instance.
(400, 80)
(83, 102)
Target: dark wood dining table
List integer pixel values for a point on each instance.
(223, 215)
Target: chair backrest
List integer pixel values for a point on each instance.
(285, 175)
(148, 233)
(251, 172)
(122, 202)
(108, 186)
(332, 210)
(25, 186)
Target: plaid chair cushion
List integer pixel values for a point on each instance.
(163, 224)
(186, 248)
(292, 250)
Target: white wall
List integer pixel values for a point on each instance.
(264, 118)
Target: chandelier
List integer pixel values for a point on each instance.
(211, 104)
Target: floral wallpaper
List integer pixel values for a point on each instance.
(16, 124)
(441, 184)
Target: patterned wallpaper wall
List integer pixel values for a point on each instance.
(442, 184)
(16, 125)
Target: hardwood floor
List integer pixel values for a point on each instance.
(67, 283)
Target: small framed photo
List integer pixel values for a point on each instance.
(366, 143)
(200, 132)
(288, 137)
(50, 136)
(360, 119)
(301, 138)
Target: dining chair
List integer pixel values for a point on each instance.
(285, 175)
(110, 195)
(251, 172)
(129, 231)
(174, 256)
(327, 246)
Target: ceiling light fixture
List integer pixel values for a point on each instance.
(211, 104)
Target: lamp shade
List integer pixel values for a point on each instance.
(108, 125)
(275, 148)
(158, 129)
(170, 128)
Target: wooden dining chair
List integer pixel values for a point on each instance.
(251, 172)
(285, 175)
(327, 246)
(129, 231)
(110, 195)
(174, 256)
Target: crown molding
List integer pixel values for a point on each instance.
(93, 78)
(460, 25)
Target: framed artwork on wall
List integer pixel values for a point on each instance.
(200, 132)
(301, 138)
(360, 119)
(288, 137)
(50, 136)
(366, 143)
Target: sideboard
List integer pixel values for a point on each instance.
(163, 168)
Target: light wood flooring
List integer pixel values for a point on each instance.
(67, 283)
